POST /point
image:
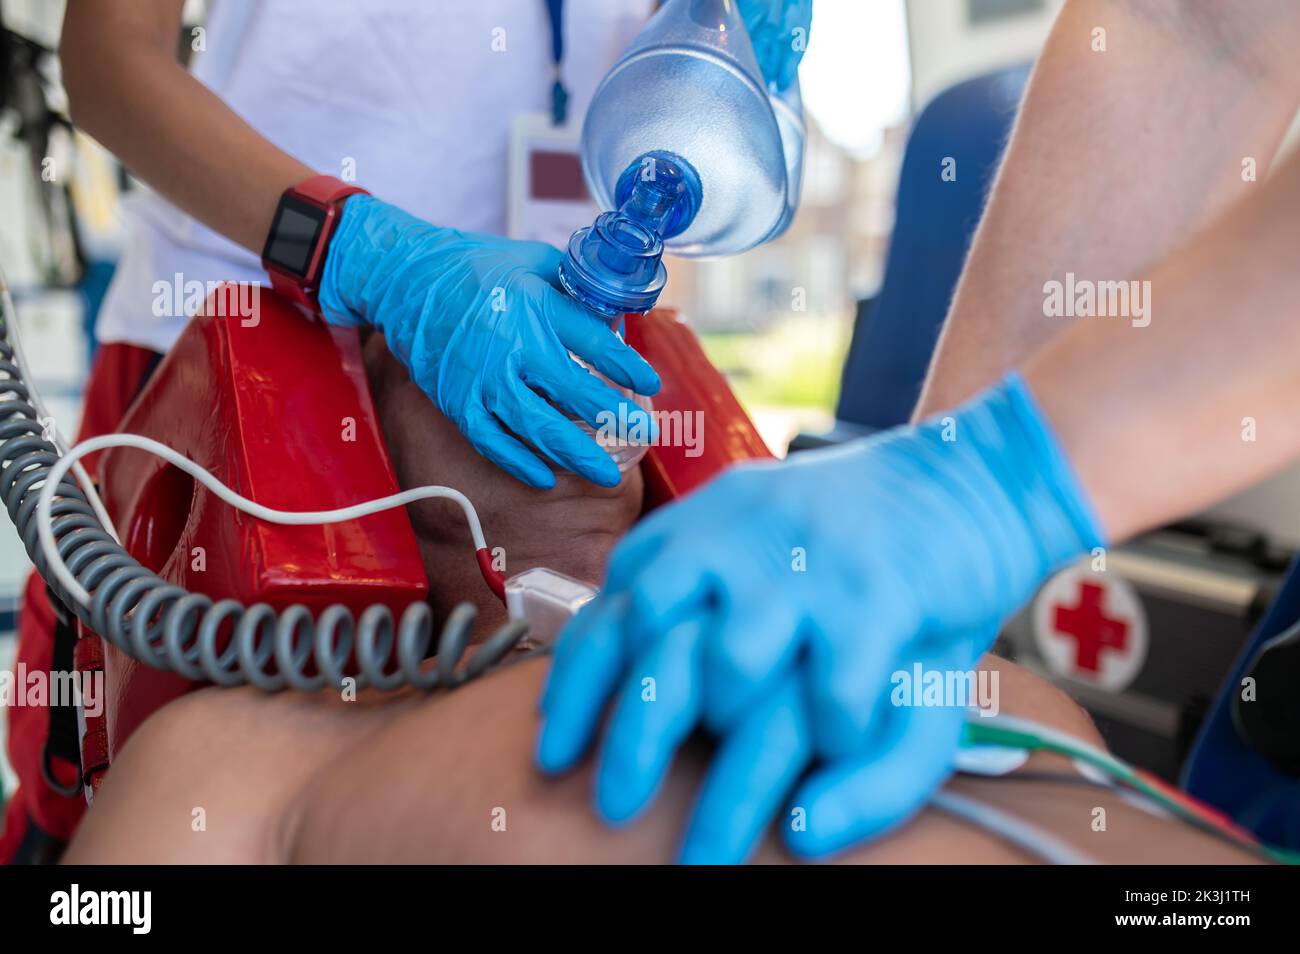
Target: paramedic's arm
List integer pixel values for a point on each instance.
(128, 90)
(1162, 420)
(1117, 158)
(431, 291)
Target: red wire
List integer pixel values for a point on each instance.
(495, 581)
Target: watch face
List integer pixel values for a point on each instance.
(294, 234)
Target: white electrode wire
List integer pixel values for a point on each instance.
(1070, 743)
(46, 419)
(45, 502)
(1029, 837)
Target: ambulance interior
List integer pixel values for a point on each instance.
(1147, 650)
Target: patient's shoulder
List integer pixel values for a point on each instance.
(1028, 695)
(213, 776)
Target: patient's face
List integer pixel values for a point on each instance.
(570, 528)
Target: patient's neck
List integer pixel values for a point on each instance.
(570, 528)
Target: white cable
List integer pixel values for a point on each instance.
(1055, 736)
(70, 459)
(1025, 835)
(45, 418)
(45, 502)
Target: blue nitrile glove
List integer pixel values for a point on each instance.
(778, 30)
(484, 329)
(767, 753)
(778, 601)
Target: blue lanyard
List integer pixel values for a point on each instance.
(559, 95)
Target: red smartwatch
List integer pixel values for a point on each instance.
(304, 222)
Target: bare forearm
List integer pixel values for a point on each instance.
(1163, 420)
(127, 90)
(1117, 158)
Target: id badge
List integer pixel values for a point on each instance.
(548, 197)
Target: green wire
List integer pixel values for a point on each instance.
(981, 731)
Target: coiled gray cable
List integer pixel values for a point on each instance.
(171, 629)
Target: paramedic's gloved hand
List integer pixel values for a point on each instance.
(778, 30)
(773, 606)
(480, 323)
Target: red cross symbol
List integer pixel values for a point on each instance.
(1091, 628)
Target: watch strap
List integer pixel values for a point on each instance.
(328, 194)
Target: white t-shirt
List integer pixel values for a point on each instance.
(416, 97)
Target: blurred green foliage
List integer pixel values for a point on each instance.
(794, 363)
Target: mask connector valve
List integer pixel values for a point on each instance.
(614, 266)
